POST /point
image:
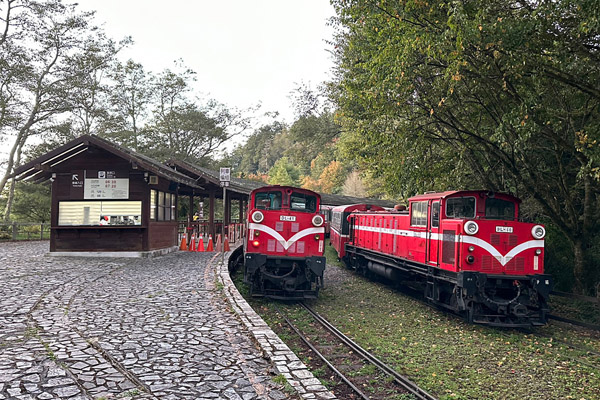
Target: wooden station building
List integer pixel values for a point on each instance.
(109, 199)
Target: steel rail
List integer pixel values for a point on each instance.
(403, 381)
(589, 299)
(322, 357)
(574, 322)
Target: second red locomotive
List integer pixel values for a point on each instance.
(283, 251)
(467, 248)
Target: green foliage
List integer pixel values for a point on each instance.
(492, 94)
(283, 173)
(311, 136)
(262, 149)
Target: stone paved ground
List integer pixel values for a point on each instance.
(88, 328)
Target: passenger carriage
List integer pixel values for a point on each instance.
(340, 228)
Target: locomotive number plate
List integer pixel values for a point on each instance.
(504, 229)
(287, 218)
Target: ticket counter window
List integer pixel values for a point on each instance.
(101, 213)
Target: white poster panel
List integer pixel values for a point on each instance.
(116, 188)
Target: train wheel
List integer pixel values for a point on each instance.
(346, 262)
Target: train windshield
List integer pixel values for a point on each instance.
(267, 200)
(303, 202)
(499, 209)
(460, 207)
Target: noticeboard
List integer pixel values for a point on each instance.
(225, 175)
(116, 188)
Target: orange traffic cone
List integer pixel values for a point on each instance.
(193, 244)
(218, 243)
(183, 245)
(226, 244)
(200, 244)
(210, 244)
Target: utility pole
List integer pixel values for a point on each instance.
(225, 178)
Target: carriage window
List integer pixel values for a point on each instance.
(303, 202)
(460, 207)
(336, 220)
(499, 209)
(418, 216)
(267, 200)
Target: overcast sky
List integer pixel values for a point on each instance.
(243, 51)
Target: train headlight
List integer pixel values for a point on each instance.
(256, 243)
(258, 217)
(317, 220)
(538, 232)
(538, 252)
(470, 259)
(471, 227)
(471, 248)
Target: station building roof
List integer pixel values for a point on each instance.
(41, 168)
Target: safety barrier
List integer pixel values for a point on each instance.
(24, 231)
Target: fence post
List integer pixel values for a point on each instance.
(14, 231)
(42, 231)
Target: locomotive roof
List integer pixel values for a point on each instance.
(458, 193)
(281, 187)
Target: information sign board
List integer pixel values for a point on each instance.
(117, 188)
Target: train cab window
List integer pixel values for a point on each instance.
(303, 202)
(460, 207)
(267, 200)
(499, 209)
(435, 214)
(418, 213)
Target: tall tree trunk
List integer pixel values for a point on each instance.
(11, 162)
(11, 191)
(579, 266)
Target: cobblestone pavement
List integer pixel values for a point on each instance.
(93, 328)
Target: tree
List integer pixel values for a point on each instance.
(501, 94)
(354, 185)
(265, 146)
(48, 52)
(183, 128)
(283, 173)
(130, 99)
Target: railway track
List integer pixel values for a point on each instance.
(389, 375)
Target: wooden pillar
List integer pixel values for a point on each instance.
(227, 211)
(211, 214)
(190, 218)
(241, 212)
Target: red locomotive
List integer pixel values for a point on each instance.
(467, 247)
(284, 247)
(340, 229)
